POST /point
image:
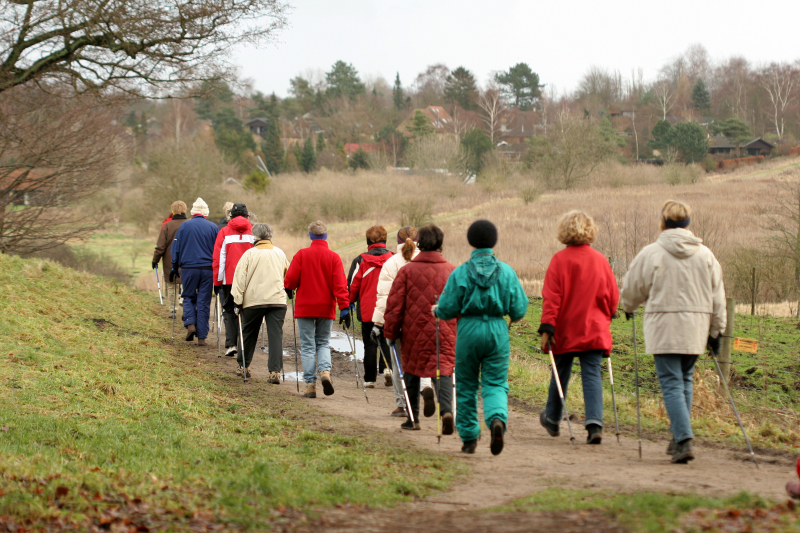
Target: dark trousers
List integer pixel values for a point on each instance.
(198, 285)
(445, 392)
(371, 357)
(251, 328)
(229, 317)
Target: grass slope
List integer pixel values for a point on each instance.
(103, 421)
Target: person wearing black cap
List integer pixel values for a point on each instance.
(480, 293)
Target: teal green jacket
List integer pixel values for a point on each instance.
(484, 285)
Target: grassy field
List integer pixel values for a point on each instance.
(764, 385)
(105, 423)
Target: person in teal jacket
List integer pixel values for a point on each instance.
(479, 293)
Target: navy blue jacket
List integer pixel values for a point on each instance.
(193, 246)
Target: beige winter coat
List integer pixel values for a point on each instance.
(258, 279)
(388, 274)
(680, 282)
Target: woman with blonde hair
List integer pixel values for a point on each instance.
(580, 296)
(680, 282)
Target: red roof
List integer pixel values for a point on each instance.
(350, 148)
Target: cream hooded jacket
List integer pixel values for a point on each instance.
(258, 279)
(680, 282)
(388, 274)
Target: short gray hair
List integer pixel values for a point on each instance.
(262, 231)
(318, 228)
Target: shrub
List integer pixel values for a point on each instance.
(416, 212)
(709, 164)
(257, 182)
(358, 160)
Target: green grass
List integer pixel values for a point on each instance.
(133, 253)
(99, 412)
(765, 385)
(656, 512)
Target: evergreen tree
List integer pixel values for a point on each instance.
(359, 160)
(308, 159)
(397, 94)
(520, 85)
(272, 147)
(320, 143)
(690, 140)
(700, 96)
(459, 88)
(661, 133)
(231, 137)
(476, 143)
(298, 155)
(213, 94)
(735, 129)
(343, 80)
(420, 125)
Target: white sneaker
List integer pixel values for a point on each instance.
(369, 384)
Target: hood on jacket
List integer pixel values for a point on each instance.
(483, 268)
(680, 242)
(240, 225)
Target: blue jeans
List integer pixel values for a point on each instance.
(198, 285)
(315, 338)
(676, 375)
(591, 362)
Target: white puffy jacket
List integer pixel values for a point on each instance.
(388, 274)
(680, 282)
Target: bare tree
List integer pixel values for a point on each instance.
(780, 81)
(127, 45)
(664, 93)
(460, 124)
(493, 109)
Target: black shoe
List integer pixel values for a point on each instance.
(683, 452)
(447, 424)
(498, 429)
(469, 446)
(191, 331)
(429, 407)
(551, 428)
(595, 434)
(410, 426)
(672, 447)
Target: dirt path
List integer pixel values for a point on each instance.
(531, 461)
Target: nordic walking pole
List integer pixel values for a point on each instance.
(403, 382)
(636, 375)
(355, 360)
(613, 397)
(174, 305)
(158, 282)
(438, 383)
(216, 317)
(241, 342)
(557, 379)
(735, 411)
(296, 367)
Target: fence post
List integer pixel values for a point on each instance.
(727, 341)
(753, 300)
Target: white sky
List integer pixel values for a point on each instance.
(559, 40)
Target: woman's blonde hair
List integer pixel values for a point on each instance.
(576, 227)
(674, 210)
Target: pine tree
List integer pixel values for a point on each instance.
(272, 147)
(343, 80)
(397, 94)
(700, 96)
(359, 160)
(459, 88)
(520, 85)
(320, 143)
(308, 159)
(420, 125)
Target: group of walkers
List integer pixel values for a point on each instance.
(437, 331)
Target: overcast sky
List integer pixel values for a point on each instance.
(559, 40)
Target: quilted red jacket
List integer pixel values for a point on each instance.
(364, 287)
(408, 313)
(317, 274)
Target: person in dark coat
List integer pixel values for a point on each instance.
(164, 245)
(192, 252)
(408, 318)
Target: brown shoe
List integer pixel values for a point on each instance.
(327, 384)
(274, 378)
(311, 390)
(447, 424)
(201, 342)
(399, 412)
(191, 331)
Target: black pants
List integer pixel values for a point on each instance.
(371, 354)
(229, 318)
(251, 329)
(445, 394)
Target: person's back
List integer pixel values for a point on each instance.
(195, 239)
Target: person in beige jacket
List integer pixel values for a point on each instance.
(258, 294)
(680, 282)
(407, 250)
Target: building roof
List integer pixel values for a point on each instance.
(253, 121)
(350, 148)
(720, 141)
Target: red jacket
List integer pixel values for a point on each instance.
(408, 312)
(317, 274)
(232, 242)
(580, 296)
(364, 287)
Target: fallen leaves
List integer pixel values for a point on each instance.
(756, 520)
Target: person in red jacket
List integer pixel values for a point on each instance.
(364, 292)
(580, 296)
(408, 318)
(317, 274)
(793, 487)
(232, 242)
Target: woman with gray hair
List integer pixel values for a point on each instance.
(258, 294)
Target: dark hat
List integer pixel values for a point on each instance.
(239, 210)
(482, 234)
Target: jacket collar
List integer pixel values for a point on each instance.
(198, 215)
(319, 243)
(179, 216)
(430, 257)
(266, 244)
(377, 245)
(481, 251)
(240, 225)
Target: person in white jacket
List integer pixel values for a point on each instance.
(407, 250)
(680, 282)
(258, 294)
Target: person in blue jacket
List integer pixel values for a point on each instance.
(192, 252)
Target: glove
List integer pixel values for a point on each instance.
(155, 266)
(713, 344)
(344, 316)
(628, 315)
(289, 293)
(217, 288)
(173, 274)
(237, 309)
(377, 333)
